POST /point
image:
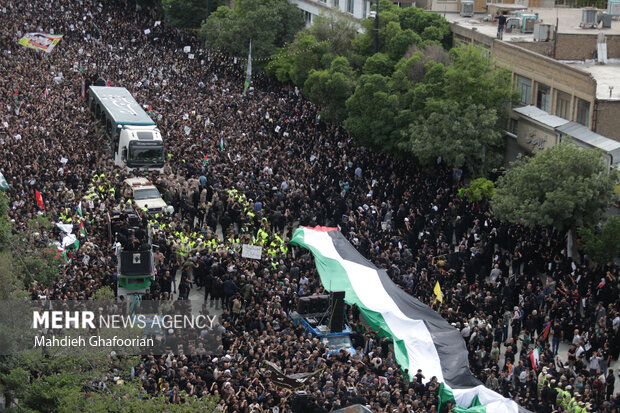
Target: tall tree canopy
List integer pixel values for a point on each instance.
(269, 23)
(564, 186)
(189, 13)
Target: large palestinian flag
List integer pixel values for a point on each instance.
(422, 339)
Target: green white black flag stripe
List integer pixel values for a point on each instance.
(4, 185)
(422, 339)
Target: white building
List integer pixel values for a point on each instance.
(357, 9)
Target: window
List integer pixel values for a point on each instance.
(583, 112)
(562, 105)
(307, 17)
(524, 86)
(337, 4)
(350, 6)
(542, 97)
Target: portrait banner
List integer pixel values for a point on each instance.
(40, 41)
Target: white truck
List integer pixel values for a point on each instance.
(135, 142)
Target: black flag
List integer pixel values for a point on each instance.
(292, 382)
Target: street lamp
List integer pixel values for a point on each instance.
(377, 28)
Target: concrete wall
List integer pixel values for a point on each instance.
(534, 137)
(543, 48)
(607, 115)
(531, 60)
(580, 46)
(544, 69)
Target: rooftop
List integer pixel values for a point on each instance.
(568, 22)
(121, 106)
(607, 76)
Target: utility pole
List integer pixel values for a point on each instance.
(377, 28)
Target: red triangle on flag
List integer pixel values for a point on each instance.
(39, 198)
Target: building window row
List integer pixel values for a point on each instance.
(543, 96)
(350, 6)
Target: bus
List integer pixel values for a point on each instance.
(135, 141)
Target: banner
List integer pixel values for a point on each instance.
(281, 380)
(251, 251)
(40, 41)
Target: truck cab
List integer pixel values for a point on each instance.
(139, 147)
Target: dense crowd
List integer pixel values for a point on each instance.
(255, 167)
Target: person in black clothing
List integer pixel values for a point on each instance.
(501, 24)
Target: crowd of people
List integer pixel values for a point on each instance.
(254, 167)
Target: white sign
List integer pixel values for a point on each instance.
(147, 31)
(251, 251)
(187, 49)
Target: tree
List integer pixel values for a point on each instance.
(329, 89)
(463, 135)
(269, 23)
(479, 189)
(564, 186)
(104, 293)
(336, 29)
(380, 64)
(602, 244)
(189, 13)
(472, 78)
(372, 111)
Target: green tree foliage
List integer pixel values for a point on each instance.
(335, 29)
(269, 23)
(189, 13)
(479, 189)
(397, 26)
(379, 64)
(602, 244)
(129, 397)
(329, 89)
(463, 135)
(564, 186)
(375, 116)
(104, 293)
(473, 79)
(68, 383)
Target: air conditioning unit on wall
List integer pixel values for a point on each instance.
(589, 18)
(613, 8)
(543, 32)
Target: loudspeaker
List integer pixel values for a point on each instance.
(336, 316)
(303, 305)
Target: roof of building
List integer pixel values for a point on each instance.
(568, 20)
(607, 77)
(582, 135)
(121, 106)
(592, 139)
(541, 116)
